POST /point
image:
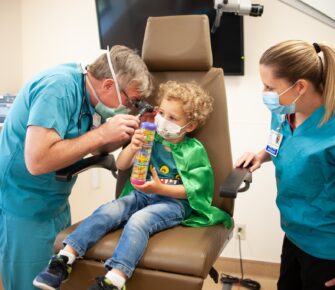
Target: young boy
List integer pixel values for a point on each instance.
(179, 187)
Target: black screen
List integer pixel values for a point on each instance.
(123, 22)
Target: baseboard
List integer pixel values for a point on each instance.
(250, 267)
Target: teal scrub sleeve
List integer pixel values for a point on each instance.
(52, 103)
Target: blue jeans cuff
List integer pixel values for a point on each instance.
(75, 246)
(125, 269)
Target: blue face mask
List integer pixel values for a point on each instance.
(271, 100)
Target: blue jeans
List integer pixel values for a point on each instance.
(141, 214)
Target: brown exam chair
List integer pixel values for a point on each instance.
(174, 48)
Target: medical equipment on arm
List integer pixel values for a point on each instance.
(142, 157)
(143, 107)
(239, 7)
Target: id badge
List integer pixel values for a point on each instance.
(96, 121)
(274, 142)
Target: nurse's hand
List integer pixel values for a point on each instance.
(249, 159)
(119, 128)
(252, 160)
(330, 283)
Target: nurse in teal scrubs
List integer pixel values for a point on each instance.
(299, 90)
(48, 128)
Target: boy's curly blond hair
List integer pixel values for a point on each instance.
(196, 103)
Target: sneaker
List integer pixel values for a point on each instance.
(102, 283)
(57, 271)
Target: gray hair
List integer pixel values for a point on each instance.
(130, 69)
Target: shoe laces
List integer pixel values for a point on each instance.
(57, 264)
(103, 285)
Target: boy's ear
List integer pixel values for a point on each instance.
(190, 127)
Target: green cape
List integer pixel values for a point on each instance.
(197, 176)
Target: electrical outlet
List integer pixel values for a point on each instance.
(240, 231)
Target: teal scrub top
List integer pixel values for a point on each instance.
(52, 99)
(305, 175)
(163, 161)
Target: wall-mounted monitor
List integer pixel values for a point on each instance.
(123, 22)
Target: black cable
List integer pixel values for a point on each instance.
(247, 283)
(240, 252)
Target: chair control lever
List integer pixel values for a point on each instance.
(232, 184)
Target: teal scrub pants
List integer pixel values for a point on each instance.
(26, 246)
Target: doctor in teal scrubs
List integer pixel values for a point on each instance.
(299, 90)
(48, 128)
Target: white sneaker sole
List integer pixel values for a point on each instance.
(43, 285)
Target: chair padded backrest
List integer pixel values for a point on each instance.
(178, 48)
(177, 43)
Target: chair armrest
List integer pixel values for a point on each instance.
(99, 161)
(232, 184)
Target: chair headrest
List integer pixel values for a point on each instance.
(174, 43)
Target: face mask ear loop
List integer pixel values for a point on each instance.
(188, 123)
(296, 99)
(114, 76)
(287, 89)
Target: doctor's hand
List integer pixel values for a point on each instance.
(249, 159)
(119, 128)
(152, 186)
(330, 283)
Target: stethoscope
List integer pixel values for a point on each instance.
(84, 104)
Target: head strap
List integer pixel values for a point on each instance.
(317, 47)
(110, 64)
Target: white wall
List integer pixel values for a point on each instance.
(56, 31)
(10, 47)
